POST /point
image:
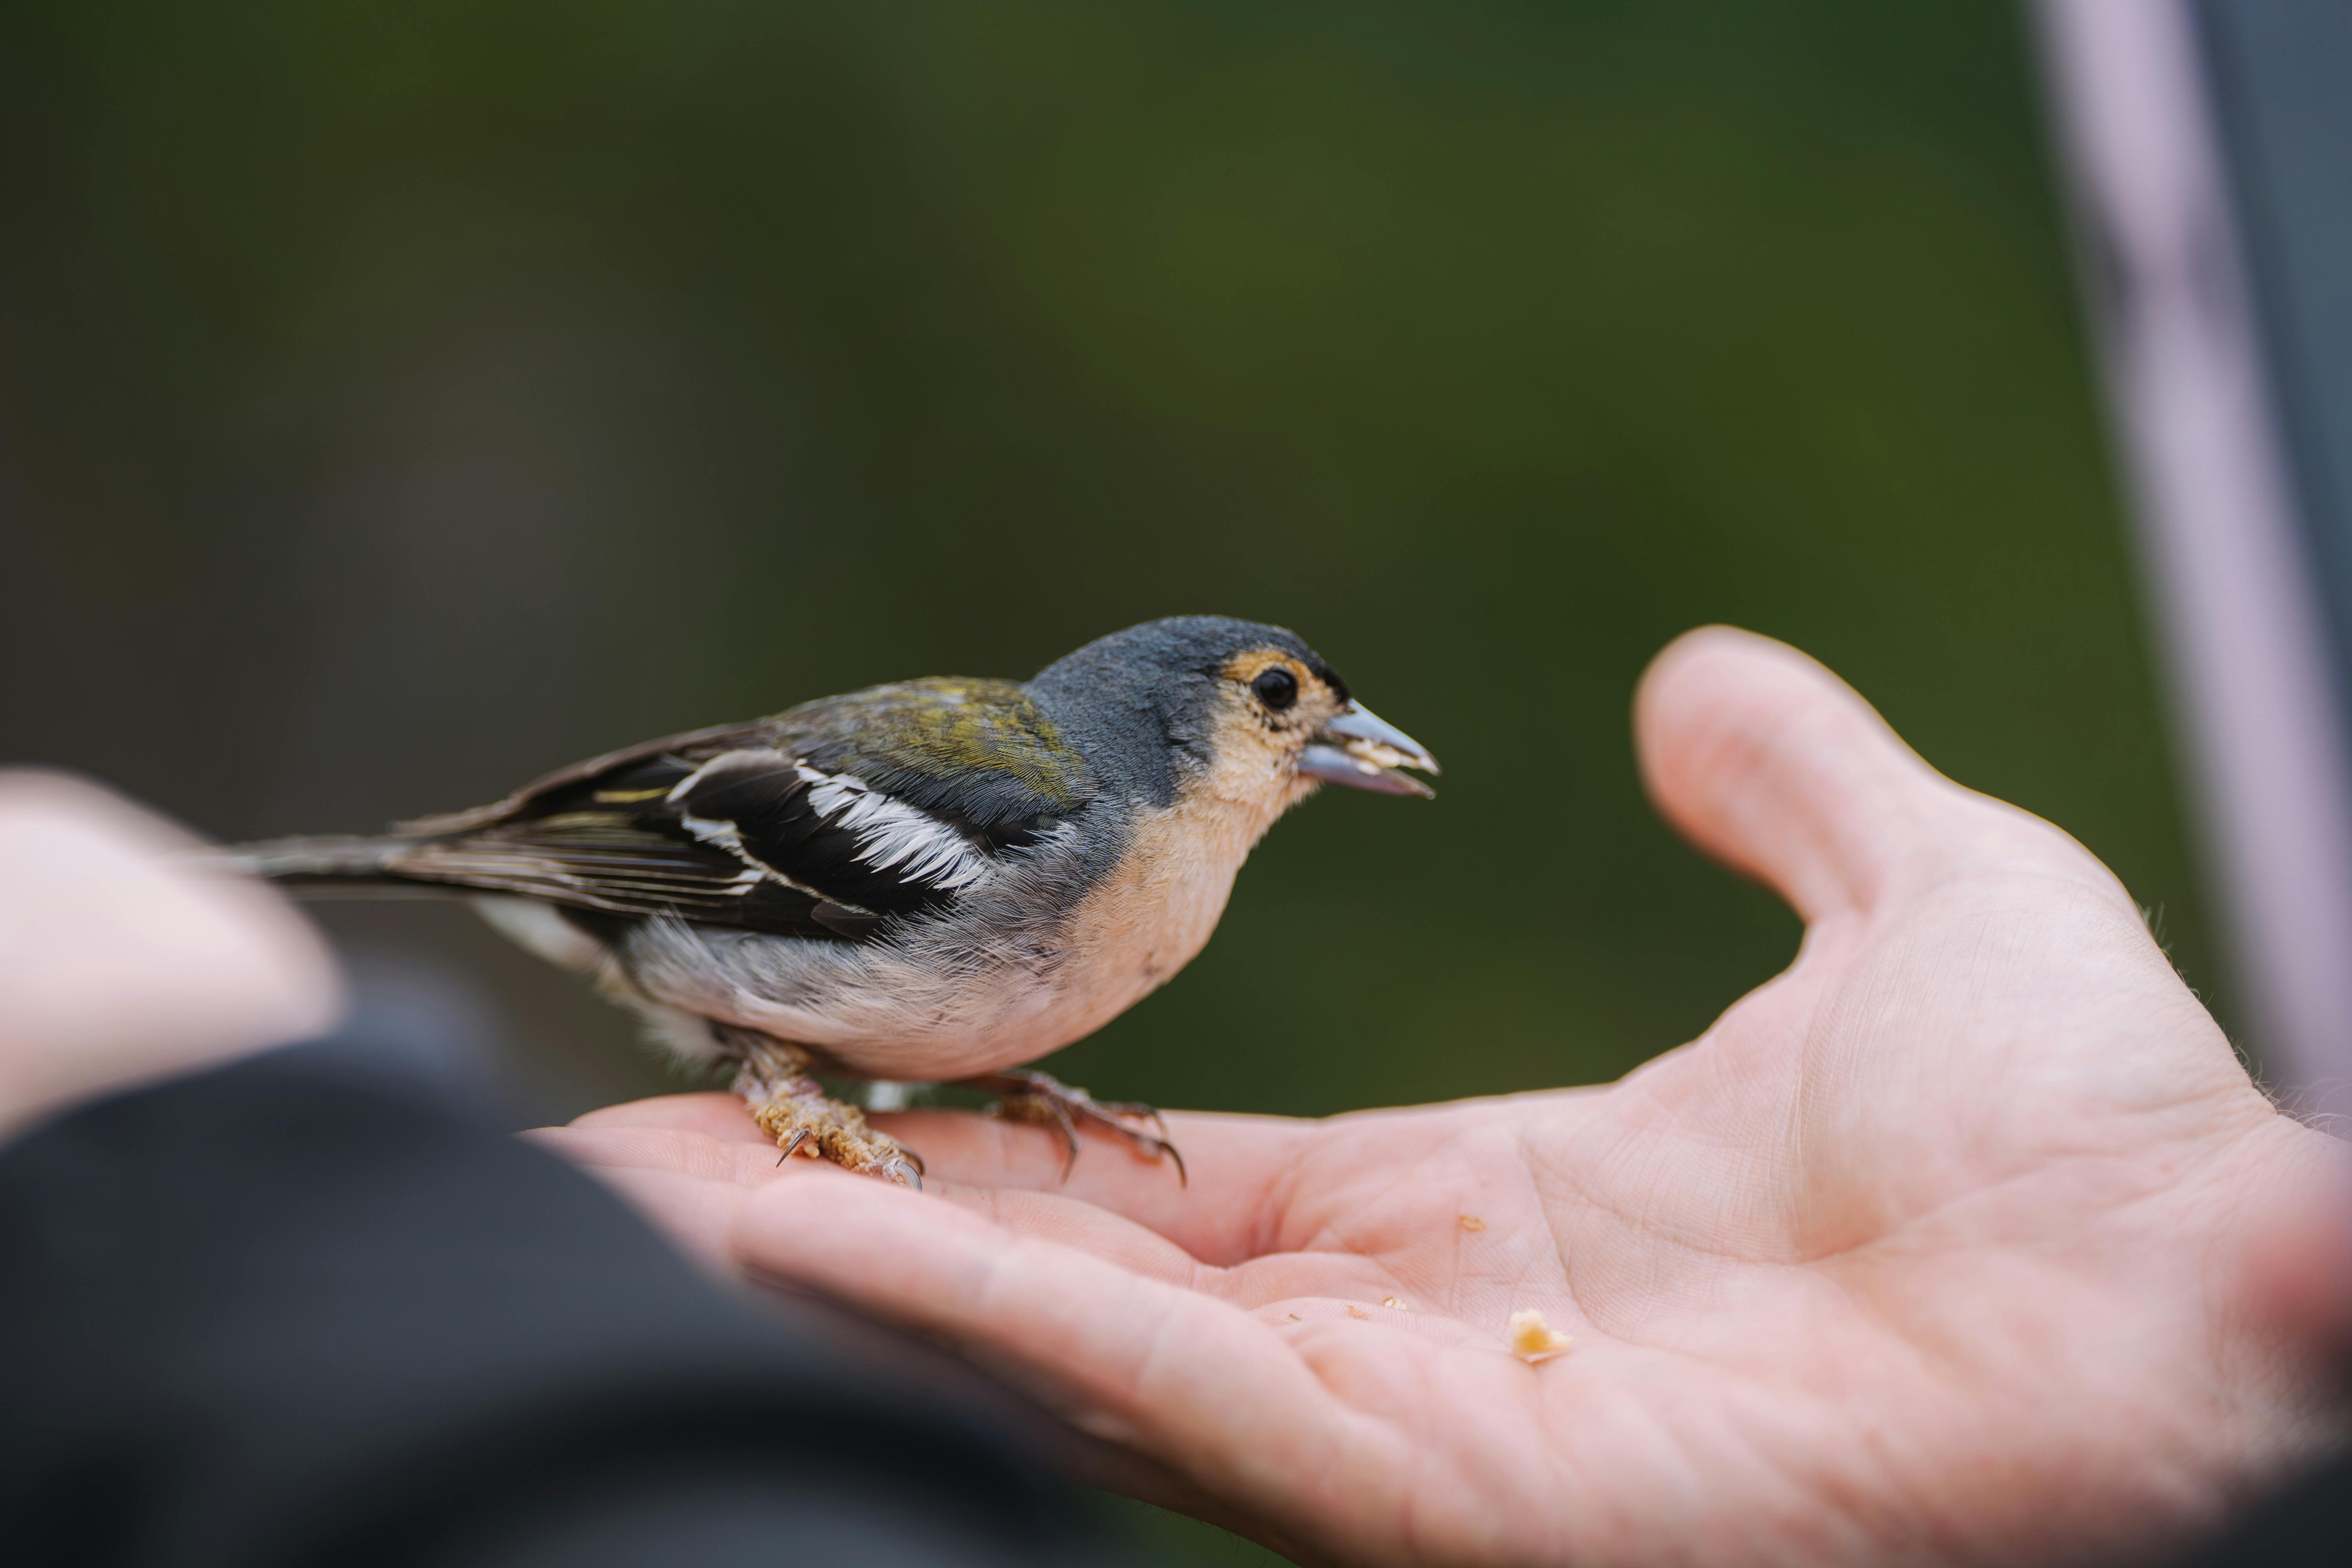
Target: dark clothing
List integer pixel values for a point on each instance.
(284, 1313)
(2309, 1525)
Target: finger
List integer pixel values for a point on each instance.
(122, 962)
(1340, 1276)
(652, 1152)
(657, 1154)
(721, 1116)
(680, 1149)
(1768, 762)
(1226, 1213)
(1226, 1209)
(1178, 1375)
(1073, 1223)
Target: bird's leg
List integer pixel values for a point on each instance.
(793, 1107)
(1027, 1095)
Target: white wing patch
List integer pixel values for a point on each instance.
(892, 832)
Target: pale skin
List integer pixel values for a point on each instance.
(122, 963)
(1965, 1239)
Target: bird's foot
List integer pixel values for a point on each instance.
(1027, 1095)
(794, 1108)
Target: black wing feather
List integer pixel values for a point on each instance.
(765, 797)
(610, 772)
(724, 825)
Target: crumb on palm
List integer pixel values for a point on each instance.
(1471, 1222)
(1356, 1312)
(1533, 1340)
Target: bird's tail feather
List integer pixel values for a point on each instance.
(332, 866)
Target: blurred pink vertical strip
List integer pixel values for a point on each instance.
(2226, 566)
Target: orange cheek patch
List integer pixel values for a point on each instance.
(1316, 704)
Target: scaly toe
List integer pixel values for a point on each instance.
(1030, 1096)
(808, 1123)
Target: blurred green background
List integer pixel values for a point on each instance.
(396, 400)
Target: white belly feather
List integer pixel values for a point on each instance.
(1004, 981)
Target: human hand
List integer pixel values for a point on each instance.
(1931, 1249)
(122, 962)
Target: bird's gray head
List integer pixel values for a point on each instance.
(1206, 702)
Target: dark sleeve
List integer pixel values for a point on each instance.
(2308, 1525)
(281, 1315)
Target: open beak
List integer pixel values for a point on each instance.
(1363, 752)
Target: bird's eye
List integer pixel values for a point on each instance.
(1278, 688)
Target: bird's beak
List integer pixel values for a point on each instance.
(1363, 752)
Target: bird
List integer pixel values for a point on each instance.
(927, 881)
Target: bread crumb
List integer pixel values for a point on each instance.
(1356, 1312)
(1471, 1222)
(1293, 1318)
(1392, 1301)
(1533, 1340)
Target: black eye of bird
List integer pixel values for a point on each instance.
(1278, 688)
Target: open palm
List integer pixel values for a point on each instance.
(1912, 1256)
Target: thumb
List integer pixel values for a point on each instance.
(1765, 759)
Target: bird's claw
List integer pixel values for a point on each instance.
(794, 1108)
(1027, 1095)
